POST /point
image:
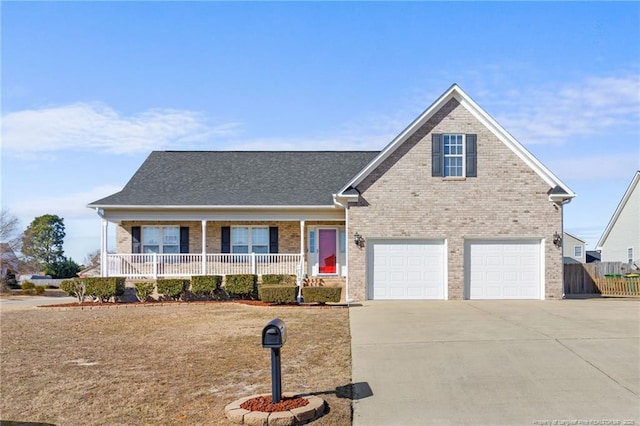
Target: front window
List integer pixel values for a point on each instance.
(577, 251)
(453, 147)
(161, 239)
(250, 240)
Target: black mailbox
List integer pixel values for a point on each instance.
(274, 334)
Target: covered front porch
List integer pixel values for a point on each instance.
(171, 244)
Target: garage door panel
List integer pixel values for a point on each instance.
(503, 270)
(407, 270)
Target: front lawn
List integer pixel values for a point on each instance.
(170, 364)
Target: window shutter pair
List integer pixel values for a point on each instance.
(471, 152)
(136, 244)
(225, 240)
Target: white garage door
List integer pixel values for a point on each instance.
(503, 270)
(402, 270)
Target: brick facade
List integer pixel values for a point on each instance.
(507, 199)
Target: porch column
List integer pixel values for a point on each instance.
(204, 247)
(104, 270)
(301, 265)
(301, 244)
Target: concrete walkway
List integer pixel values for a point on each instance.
(497, 362)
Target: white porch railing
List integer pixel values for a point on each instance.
(155, 265)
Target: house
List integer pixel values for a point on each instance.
(452, 208)
(8, 261)
(573, 249)
(620, 241)
(593, 256)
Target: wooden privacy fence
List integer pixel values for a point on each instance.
(618, 286)
(604, 278)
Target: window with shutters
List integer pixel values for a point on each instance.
(160, 239)
(246, 239)
(454, 155)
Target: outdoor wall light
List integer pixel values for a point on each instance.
(357, 238)
(557, 239)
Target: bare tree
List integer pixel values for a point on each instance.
(92, 259)
(9, 230)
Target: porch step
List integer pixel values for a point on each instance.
(324, 282)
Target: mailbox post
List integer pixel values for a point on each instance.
(274, 334)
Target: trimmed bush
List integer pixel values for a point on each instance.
(74, 287)
(144, 290)
(104, 288)
(28, 287)
(242, 285)
(206, 285)
(173, 288)
(278, 293)
(321, 294)
(279, 279)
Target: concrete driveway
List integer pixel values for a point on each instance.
(497, 362)
(20, 303)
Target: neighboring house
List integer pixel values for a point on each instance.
(593, 256)
(573, 249)
(620, 241)
(8, 261)
(453, 207)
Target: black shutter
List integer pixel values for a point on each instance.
(184, 239)
(136, 247)
(225, 239)
(273, 239)
(472, 155)
(436, 154)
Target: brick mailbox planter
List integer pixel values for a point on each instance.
(314, 408)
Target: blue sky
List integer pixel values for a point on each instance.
(89, 89)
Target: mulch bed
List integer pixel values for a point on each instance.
(265, 404)
(181, 302)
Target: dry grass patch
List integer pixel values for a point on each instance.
(177, 364)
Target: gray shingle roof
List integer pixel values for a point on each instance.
(239, 178)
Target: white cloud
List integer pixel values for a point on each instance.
(557, 114)
(596, 167)
(68, 206)
(98, 126)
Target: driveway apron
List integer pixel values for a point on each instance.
(496, 362)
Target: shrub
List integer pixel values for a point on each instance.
(104, 288)
(242, 285)
(206, 285)
(74, 287)
(278, 293)
(144, 290)
(279, 279)
(39, 289)
(321, 294)
(173, 288)
(28, 287)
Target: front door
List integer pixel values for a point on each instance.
(327, 251)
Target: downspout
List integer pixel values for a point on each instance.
(347, 245)
(561, 204)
